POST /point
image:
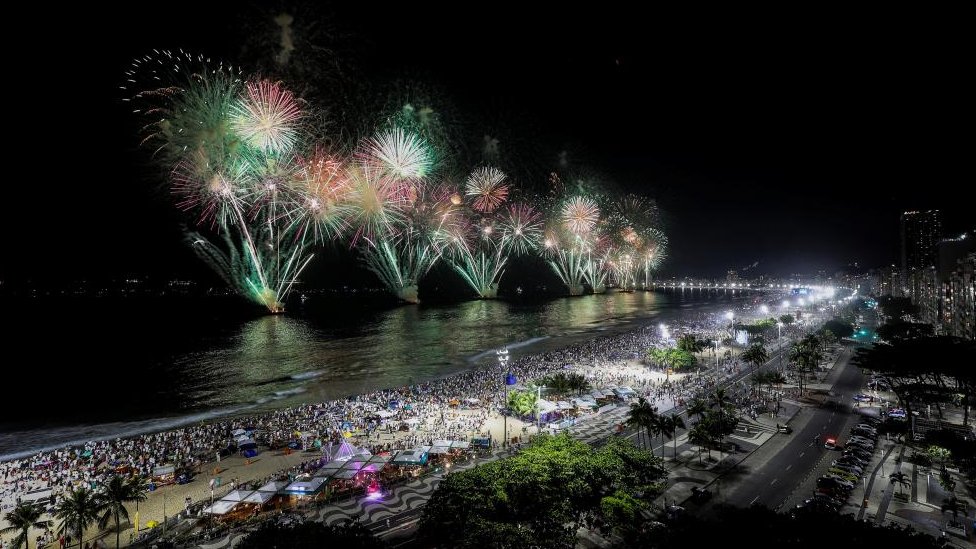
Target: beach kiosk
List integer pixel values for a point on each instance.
(303, 491)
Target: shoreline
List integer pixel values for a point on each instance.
(300, 396)
(595, 352)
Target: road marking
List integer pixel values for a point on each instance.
(801, 454)
(754, 500)
(774, 481)
(788, 467)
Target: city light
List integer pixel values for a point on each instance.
(764, 309)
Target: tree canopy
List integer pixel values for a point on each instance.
(540, 496)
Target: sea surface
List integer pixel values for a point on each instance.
(96, 368)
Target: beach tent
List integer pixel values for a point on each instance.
(236, 495)
(305, 487)
(258, 497)
(481, 442)
(416, 456)
(238, 432)
(384, 414)
(354, 465)
(546, 406)
(221, 507)
(380, 459)
(164, 470)
(441, 442)
(274, 486)
(435, 450)
(345, 474)
(460, 445)
(563, 405)
(326, 472)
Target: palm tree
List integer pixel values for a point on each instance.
(661, 427)
(671, 423)
(805, 355)
(118, 492)
(642, 415)
(719, 399)
(699, 436)
(24, 517)
(697, 407)
(901, 479)
(578, 383)
(79, 509)
(756, 355)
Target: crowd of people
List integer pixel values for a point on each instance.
(453, 408)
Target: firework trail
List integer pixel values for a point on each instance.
(228, 148)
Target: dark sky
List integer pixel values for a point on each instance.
(792, 139)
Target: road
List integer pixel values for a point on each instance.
(772, 480)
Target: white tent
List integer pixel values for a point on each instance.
(305, 487)
(236, 495)
(546, 406)
(259, 497)
(273, 487)
(238, 432)
(221, 507)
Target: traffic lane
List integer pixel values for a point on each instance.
(779, 476)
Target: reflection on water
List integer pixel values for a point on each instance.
(171, 364)
(267, 359)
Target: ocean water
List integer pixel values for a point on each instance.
(114, 367)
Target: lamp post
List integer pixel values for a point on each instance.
(503, 362)
(538, 410)
(731, 316)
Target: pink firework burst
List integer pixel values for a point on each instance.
(580, 215)
(215, 193)
(267, 117)
(322, 188)
(487, 186)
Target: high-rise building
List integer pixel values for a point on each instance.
(961, 298)
(920, 236)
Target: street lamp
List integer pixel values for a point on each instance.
(503, 362)
(538, 410)
(786, 304)
(731, 316)
(664, 331)
(764, 309)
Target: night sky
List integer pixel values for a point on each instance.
(791, 139)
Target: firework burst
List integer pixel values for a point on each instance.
(266, 117)
(521, 228)
(375, 202)
(487, 186)
(401, 154)
(216, 193)
(580, 215)
(322, 188)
